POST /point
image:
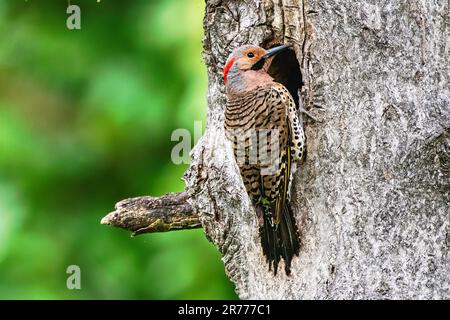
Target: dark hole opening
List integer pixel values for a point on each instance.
(285, 69)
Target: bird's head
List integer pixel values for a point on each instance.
(246, 67)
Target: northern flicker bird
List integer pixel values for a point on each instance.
(262, 122)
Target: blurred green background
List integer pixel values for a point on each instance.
(85, 120)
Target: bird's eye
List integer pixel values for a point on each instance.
(250, 54)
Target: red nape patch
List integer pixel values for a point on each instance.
(227, 68)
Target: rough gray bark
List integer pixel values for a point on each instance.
(153, 214)
(372, 198)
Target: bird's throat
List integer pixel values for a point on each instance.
(243, 81)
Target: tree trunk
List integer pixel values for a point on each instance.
(372, 198)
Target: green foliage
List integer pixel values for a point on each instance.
(85, 120)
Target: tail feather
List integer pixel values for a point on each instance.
(280, 240)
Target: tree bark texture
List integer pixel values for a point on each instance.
(372, 198)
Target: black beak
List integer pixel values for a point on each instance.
(275, 50)
(269, 53)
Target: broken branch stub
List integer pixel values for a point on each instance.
(153, 214)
